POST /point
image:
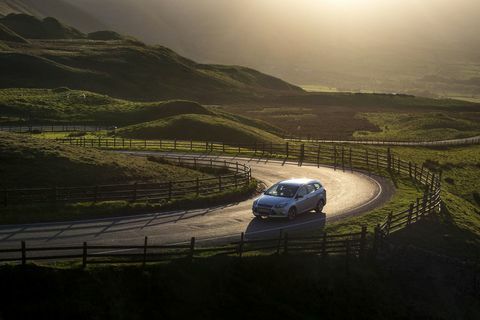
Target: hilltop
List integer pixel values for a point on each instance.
(121, 66)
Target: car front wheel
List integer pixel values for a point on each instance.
(320, 205)
(292, 213)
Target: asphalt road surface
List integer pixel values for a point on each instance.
(348, 193)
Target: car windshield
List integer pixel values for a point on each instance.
(282, 190)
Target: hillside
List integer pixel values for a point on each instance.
(31, 27)
(71, 13)
(122, 68)
(32, 162)
(8, 35)
(198, 127)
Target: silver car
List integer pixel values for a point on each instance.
(288, 198)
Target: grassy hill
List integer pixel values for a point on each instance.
(8, 35)
(31, 27)
(64, 105)
(122, 67)
(32, 162)
(198, 127)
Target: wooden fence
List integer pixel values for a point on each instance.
(239, 175)
(388, 142)
(352, 245)
(53, 128)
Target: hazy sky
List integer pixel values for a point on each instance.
(307, 40)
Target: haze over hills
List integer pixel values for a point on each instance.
(421, 47)
(57, 55)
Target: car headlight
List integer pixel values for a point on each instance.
(281, 205)
(255, 203)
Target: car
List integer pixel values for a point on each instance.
(288, 198)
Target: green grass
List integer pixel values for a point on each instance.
(421, 126)
(198, 127)
(64, 105)
(32, 162)
(456, 230)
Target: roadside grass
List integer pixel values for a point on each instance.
(31, 162)
(417, 126)
(456, 230)
(107, 209)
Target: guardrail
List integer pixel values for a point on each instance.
(239, 176)
(351, 244)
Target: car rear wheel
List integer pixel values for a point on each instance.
(292, 213)
(320, 205)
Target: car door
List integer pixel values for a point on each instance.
(301, 199)
(310, 201)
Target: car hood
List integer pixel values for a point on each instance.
(271, 201)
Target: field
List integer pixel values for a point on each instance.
(367, 116)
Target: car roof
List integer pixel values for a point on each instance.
(299, 182)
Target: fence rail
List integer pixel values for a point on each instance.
(351, 244)
(238, 175)
(53, 128)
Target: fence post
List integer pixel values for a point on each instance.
(324, 245)
(302, 154)
(219, 183)
(280, 234)
(389, 222)
(343, 159)
(135, 192)
(376, 240)
(145, 244)
(410, 212)
(350, 160)
(192, 249)
(169, 190)
(334, 157)
(84, 256)
(24, 253)
(389, 159)
(286, 148)
(318, 156)
(363, 240)
(197, 186)
(240, 246)
(285, 244)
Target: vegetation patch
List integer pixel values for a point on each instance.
(197, 127)
(421, 126)
(33, 162)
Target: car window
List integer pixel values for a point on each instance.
(302, 191)
(310, 188)
(317, 186)
(282, 190)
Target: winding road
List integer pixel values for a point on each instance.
(348, 193)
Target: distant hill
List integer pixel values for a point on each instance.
(59, 55)
(71, 13)
(8, 35)
(31, 27)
